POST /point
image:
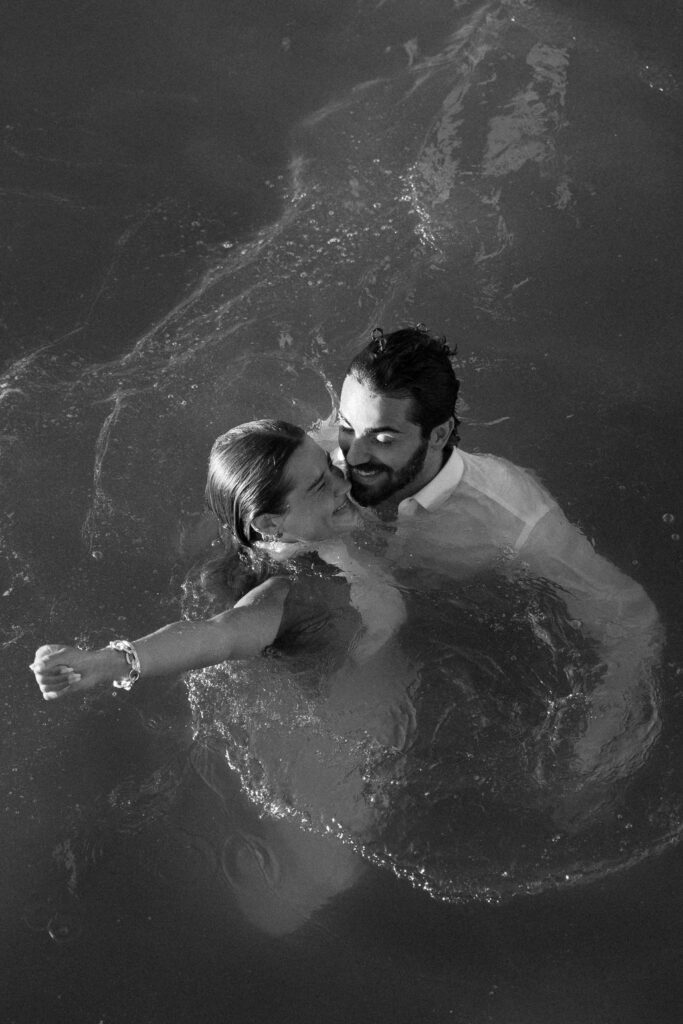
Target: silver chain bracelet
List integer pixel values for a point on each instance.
(133, 663)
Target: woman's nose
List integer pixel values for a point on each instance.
(340, 483)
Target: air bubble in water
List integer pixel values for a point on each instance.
(64, 927)
(37, 915)
(668, 517)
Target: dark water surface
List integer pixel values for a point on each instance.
(205, 209)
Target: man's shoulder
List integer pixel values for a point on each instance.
(477, 504)
(491, 472)
(513, 488)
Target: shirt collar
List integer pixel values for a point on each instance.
(439, 487)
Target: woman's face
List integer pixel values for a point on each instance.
(318, 503)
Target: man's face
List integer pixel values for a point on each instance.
(384, 450)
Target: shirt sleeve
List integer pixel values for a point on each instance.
(622, 720)
(606, 600)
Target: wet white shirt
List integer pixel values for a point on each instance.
(477, 509)
(481, 510)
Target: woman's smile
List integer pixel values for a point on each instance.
(318, 504)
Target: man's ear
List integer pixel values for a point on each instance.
(440, 435)
(268, 525)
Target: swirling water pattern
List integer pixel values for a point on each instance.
(407, 191)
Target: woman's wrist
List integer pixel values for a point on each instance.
(111, 665)
(128, 680)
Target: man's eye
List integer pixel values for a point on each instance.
(343, 428)
(384, 438)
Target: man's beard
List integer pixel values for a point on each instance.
(391, 481)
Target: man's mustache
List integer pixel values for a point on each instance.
(365, 466)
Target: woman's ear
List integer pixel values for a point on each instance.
(440, 435)
(268, 525)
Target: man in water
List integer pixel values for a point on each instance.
(459, 513)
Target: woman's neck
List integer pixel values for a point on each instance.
(285, 550)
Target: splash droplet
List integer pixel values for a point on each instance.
(64, 927)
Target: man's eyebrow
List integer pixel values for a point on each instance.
(376, 430)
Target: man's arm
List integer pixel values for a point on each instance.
(623, 720)
(607, 602)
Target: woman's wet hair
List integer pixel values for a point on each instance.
(247, 474)
(411, 363)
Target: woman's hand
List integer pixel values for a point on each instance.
(62, 671)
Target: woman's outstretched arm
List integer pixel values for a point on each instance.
(242, 632)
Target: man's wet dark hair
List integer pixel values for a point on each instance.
(411, 363)
(247, 474)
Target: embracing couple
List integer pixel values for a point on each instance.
(395, 467)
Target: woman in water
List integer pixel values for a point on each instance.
(279, 496)
(320, 723)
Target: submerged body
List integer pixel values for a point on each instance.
(449, 754)
(380, 701)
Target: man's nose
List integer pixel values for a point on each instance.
(357, 452)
